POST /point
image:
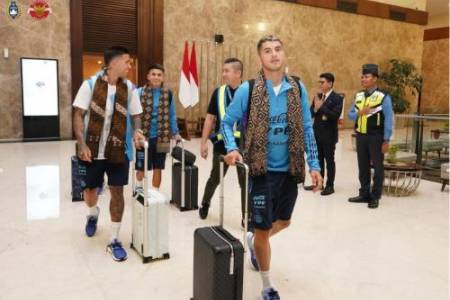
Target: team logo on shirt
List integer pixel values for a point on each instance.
(13, 10)
(278, 125)
(39, 9)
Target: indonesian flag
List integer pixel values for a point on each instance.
(184, 93)
(193, 77)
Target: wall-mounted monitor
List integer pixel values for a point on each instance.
(40, 98)
(39, 87)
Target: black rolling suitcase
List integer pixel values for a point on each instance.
(78, 179)
(219, 258)
(184, 184)
(178, 152)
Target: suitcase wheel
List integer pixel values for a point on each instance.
(146, 260)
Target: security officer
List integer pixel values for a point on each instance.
(372, 111)
(220, 99)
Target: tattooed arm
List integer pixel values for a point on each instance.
(137, 130)
(137, 122)
(84, 153)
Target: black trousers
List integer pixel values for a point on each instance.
(326, 151)
(214, 181)
(368, 148)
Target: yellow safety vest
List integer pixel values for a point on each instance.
(374, 121)
(222, 106)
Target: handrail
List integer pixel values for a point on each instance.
(424, 117)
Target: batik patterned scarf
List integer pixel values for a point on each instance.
(163, 143)
(115, 143)
(255, 148)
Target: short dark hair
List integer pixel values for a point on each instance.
(268, 38)
(157, 67)
(328, 76)
(236, 61)
(112, 52)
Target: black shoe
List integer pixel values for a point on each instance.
(308, 187)
(373, 203)
(358, 199)
(203, 211)
(327, 191)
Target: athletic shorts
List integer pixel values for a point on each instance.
(95, 172)
(156, 160)
(272, 198)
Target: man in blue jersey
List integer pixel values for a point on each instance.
(159, 124)
(277, 128)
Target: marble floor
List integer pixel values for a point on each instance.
(334, 250)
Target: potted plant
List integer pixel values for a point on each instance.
(437, 132)
(401, 77)
(392, 155)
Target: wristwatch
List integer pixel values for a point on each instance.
(139, 130)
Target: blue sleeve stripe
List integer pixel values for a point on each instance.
(173, 118)
(312, 154)
(388, 117)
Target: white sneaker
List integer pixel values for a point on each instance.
(138, 192)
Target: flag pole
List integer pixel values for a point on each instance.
(184, 94)
(200, 88)
(191, 108)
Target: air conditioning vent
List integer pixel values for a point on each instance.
(347, 6)
(397, 15)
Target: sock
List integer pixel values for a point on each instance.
(139, 183)
(156, 188)
(115, 228)
(267, 283)
(93, 211)
(251, 240)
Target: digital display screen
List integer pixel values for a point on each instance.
(39, 87)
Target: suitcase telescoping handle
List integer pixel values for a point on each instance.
(183, 187)
(144, 145)
(222, 195)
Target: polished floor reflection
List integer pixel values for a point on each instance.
(333, 250)
(43, 199)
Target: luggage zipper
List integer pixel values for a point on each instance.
(231, 248)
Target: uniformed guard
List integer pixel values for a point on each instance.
(372, 111)
(220, 99)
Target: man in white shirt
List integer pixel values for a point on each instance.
(103, 109)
